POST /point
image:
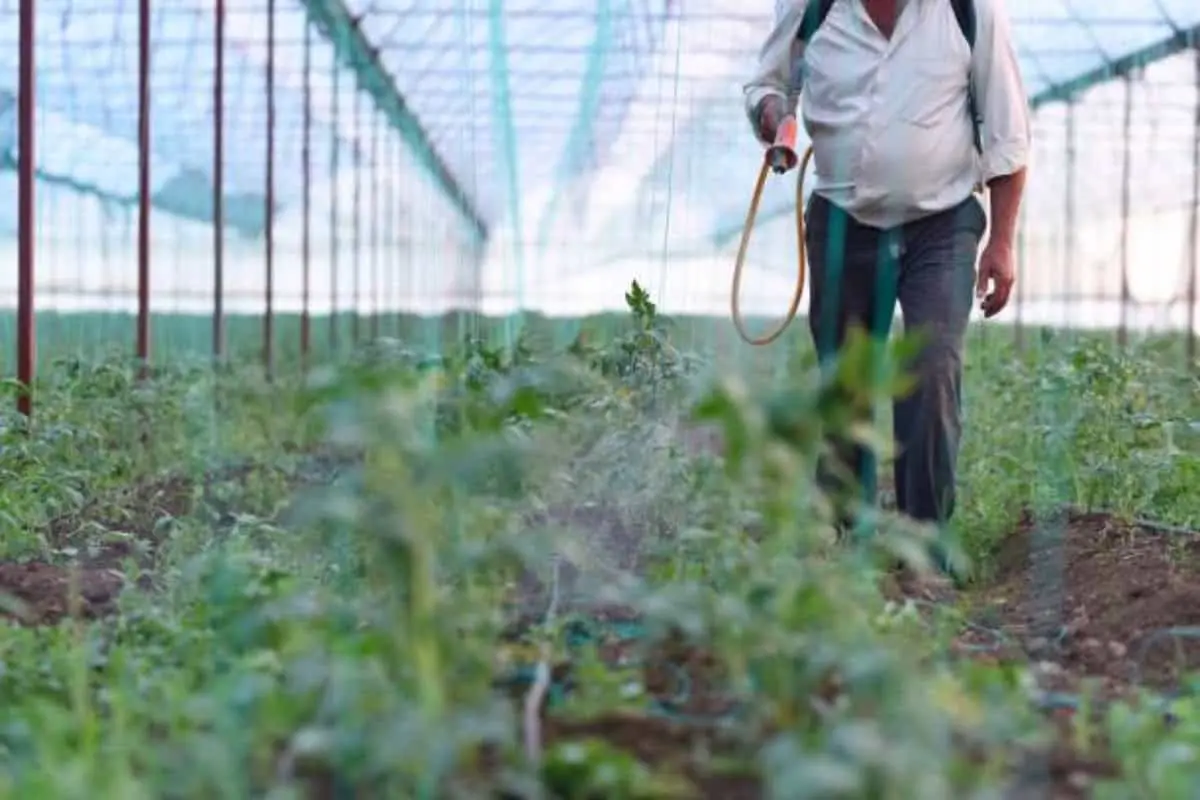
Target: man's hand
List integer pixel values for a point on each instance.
(997, 274)
(770, 114)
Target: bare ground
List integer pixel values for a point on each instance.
(1098, 598)
(39, 592)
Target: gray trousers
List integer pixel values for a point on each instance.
(858, 273)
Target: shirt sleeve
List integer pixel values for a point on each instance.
(773, 73)
(999, 93)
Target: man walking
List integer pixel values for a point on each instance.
(912, 106)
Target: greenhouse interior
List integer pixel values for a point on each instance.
(391, 409)
(505, 158)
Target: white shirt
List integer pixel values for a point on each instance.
(892, 136)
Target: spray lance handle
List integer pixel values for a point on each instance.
(781, 156)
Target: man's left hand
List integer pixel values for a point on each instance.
(997, 274)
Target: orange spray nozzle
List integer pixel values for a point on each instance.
(782, 154)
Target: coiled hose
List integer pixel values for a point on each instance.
(779, 158)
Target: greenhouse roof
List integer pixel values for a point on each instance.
(495, 99)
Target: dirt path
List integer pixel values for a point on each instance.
(1091, 598)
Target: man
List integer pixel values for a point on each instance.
(888, 91)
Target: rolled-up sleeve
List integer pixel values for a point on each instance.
(999, 93)
(773, 73)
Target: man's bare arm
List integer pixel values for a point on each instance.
(1006, 192)
(768, 96)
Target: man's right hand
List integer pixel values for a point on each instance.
(770, 114)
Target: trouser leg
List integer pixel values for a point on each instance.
(852, 285)
(936, 290)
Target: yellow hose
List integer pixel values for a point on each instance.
(801, 260)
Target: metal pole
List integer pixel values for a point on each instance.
(334, 170)
(269, 210)
(1023, 272)
(218, 188)
(356, 222)
(306, 202)
(26, 211)
(375, 227)
(1194, 224)
(144, 150)
(392, 218)
(1069, 208)
(1126, 167)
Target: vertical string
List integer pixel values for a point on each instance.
(505, 133)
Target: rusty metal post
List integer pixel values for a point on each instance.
(1194, 225)
(356, 222)
(334, 175)
(1126, 178)
(218, 187)
(26, 211)
(1022, 272)
(269, 220)
(306, 203)
(392, 235)
(374, 245)
(1069, 208)
(145, 147)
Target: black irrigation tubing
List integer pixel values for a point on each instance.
(580, 632)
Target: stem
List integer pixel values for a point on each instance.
(423, 618)
(537, 693)
(420, 560)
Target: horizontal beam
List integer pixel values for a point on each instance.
(353, 49)
(1183, 39)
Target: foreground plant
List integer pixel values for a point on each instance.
(375, 562)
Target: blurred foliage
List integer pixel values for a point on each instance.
(330, 615)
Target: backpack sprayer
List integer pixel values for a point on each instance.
(779, 158)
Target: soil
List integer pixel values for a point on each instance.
(135, 511)
(1086, 597)
(46, 593)
(682, 749)
(1091, 598)
(1095, 603)
(88, 587)
(687, 748)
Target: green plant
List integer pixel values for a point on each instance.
(342, 582)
